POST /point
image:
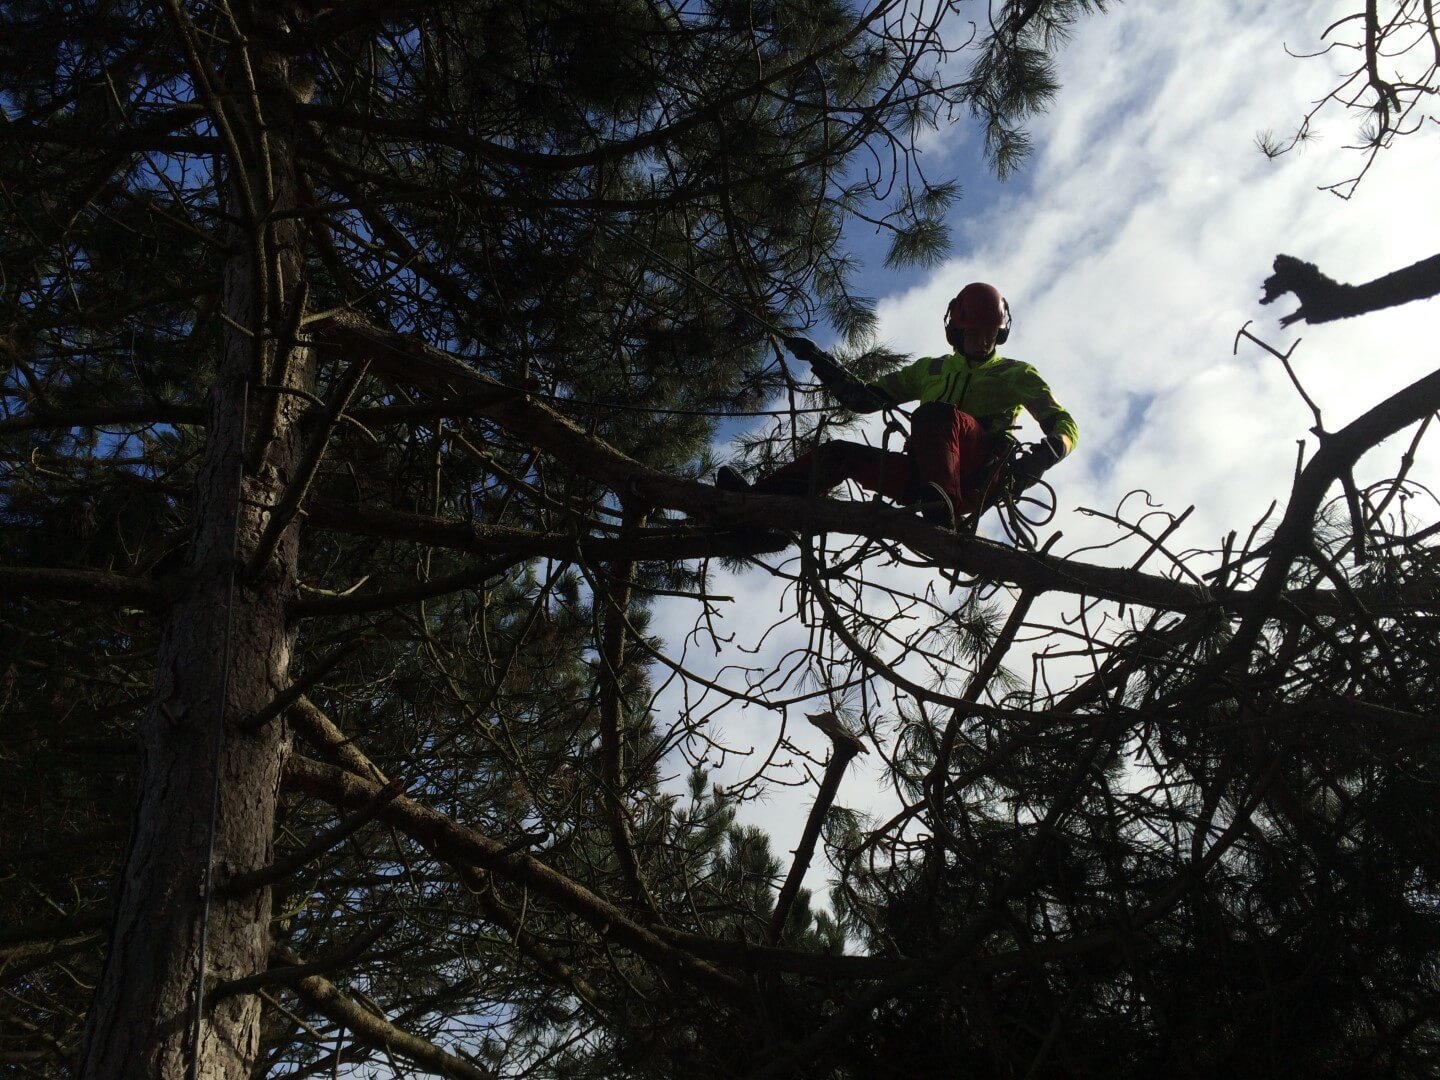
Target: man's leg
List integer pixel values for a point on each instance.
(947, 446)
(831, 464)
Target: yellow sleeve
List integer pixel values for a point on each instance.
(906, 383)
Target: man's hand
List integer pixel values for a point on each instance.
(1030, 464)
(821, 362)
(843, 387)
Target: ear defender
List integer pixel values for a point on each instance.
(953, 334)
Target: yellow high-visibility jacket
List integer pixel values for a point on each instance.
(992, 390)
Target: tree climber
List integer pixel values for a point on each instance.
(956, 457)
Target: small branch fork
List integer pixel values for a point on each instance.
(844, 747)
(1284, 358)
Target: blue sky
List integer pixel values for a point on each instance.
(1132, 248)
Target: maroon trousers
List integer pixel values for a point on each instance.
(946, 447)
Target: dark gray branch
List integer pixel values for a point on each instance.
(1323, 299)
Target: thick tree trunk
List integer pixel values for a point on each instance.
(224, 653)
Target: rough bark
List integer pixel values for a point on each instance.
(225, 645)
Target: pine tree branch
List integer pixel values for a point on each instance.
(769, 959)
(529, 945)
(1110, 678)
(333, 23)
(840, 1028)
(420, 412)
(54, 930)
(312, 725)
(538, 424)
(844, 748)
(766, 523)
(298, 860)
(615, 625)
(317, 729)
(88, 586)
(286, 969)
(288, 505)
(364, 603)
(105, 416)
(377, 1032)
(650, 545)
(302, 685)
(78, 840)
(20, 961)
(411, 129)
(154, 134)
(449, 841)
(1338, 454)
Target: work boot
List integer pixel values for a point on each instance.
(727, 479)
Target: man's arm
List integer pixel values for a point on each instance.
(842, 386)
(1061, 432)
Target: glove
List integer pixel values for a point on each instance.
(1030, 464)
(821, 362)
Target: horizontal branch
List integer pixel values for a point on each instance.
(298, 860)
(642, 545)
(55, 930)
(791, 515)
(18, 962)
(286, 969)
(383, 600)
(144, 414)
(1322, 299)
(768, 958)
(412, 129)
(89, 586)
(159, 412)
(153, 136)
(725, 513)
(412, 361)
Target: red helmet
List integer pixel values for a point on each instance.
(978, 306)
